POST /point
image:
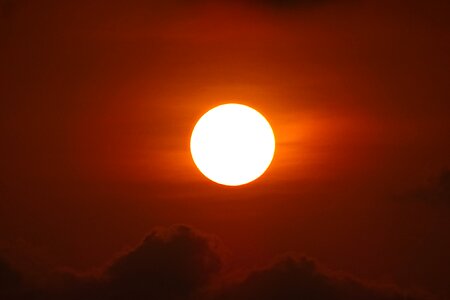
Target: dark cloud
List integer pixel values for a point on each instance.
(5, 8)
(290, 3)
(180, 263)
(436, 190)
(8, 7)
(8, 277)
(443, 186)
(10, 281)
(300, 278)
(170, 264)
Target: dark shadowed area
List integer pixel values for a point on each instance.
(181, 263)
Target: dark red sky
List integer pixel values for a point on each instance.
(98, 100)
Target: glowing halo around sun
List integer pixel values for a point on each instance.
(232, 144)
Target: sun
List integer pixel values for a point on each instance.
(232, 144)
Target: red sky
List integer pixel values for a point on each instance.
(98, 100)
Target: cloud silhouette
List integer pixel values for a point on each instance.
(179, 262)
(10, 282)
(171, 263)
(437, 189)
(301, 278)
(290, 3)
(9, 7)
(442, 188)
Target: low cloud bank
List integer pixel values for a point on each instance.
(180, 262)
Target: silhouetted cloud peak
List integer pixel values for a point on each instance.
(179, 262)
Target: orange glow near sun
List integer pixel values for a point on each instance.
(232, 144)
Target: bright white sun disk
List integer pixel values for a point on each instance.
(232, 144)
